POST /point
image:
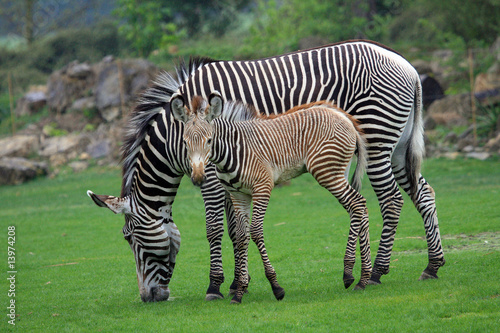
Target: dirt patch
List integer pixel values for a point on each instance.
(485, 241)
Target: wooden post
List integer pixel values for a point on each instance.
(472, 98)
(11, 104)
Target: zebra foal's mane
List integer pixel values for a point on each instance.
(151, 102)
(239, 111)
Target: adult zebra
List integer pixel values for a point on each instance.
(370, 81)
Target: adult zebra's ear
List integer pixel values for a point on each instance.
(177, 107)
(215, 106)
(115, 204)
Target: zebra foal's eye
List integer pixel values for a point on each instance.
(209, 141)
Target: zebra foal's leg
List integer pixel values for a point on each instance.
(242, 204)
(260, 203)
(231, 227)
(214, 196)
(331, 177)
(391, 202)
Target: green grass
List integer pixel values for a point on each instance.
(76, 273)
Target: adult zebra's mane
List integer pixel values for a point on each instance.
(151, 102)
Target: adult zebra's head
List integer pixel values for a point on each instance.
(154, 242)
(198, 131)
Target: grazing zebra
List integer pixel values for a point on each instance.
(369, 81)
(253, 153)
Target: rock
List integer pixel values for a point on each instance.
(487, 86)
(99, 149)
(67, 85)
(451, 155)
(450, 111)
(119, 82)
(19, 146)
(478, 155)
(78, 166)
(79, 71)
(72, 143)
(493, 145)
(17, 170)
(32, 102)
(82, 104)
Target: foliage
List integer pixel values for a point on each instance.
(443, 24)
(280, 26)
(146, 25)
(488, 119)
(31, 65)
(77, 273)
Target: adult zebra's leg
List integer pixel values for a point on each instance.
(241, 203)
(425, 202)
(260, 203)
(391, 202)
(213, 196)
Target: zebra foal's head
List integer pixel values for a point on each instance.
(198, 131)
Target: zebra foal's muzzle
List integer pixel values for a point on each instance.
(198, 176)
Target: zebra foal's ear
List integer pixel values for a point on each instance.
(215, 106)
(177, 106)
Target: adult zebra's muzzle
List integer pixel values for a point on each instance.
(155, 294)
(198, 176)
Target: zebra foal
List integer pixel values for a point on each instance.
(253, 153)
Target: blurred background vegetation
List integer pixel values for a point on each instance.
(40, 36)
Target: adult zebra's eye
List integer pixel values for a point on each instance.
(128, 237)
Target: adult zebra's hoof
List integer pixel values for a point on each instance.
(374, 280)
(213, 293)
(348, 280)
(430, 272)
(214, 296)
(427, 276)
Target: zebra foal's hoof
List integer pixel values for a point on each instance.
(279, 293)
(359, 286)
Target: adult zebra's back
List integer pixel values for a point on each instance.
(371, 82)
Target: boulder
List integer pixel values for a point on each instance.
(119, 83)
(32, 102)
(68, 145)
(69, 84)
(17, 170)
(19, 146)
(450, 111)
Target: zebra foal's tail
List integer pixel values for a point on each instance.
(362, 160)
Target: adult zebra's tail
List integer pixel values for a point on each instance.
(415, 148)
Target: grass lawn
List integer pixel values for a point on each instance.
(75, 272)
